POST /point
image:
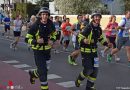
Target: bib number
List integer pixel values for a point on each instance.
(113, 32)
(125, 33)
(7, 23)
(57, 27)
(68, 28)
(96, 62)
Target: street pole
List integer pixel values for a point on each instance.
(4, 6)
(9, 11)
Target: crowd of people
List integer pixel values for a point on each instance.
(46, 32)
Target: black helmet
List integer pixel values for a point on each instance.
(96, 14)
(44, 10)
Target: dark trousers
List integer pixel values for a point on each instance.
(89, 71)
(42, 59)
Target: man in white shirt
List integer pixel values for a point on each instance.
(17, 31)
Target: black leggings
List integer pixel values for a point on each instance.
(112, 40)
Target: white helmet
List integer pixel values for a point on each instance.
(44, 10)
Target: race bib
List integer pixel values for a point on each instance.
(68, 28)
(7, 23)
(78, 31)
(73, 38)
(125, 33)
(113, 32)
(96, 62)
(57, 27)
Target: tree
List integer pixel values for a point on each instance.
(32, 9)
(20, 9)
(43, 3)
(127, 4)
(77, 6)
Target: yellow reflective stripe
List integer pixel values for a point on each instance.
(91, 79)
(44, 87)
(35, 73)
(45, 47)
(53, 35)
(41, 47)
(87, 50)
(29, 36)
(79, 81)
(90, 37)
(80, 37)
(101, 36)
(82, 75)
(30, 41)
(37, 35)
(102, 41)
(92, 41)
(35, 47)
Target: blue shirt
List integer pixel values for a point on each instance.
(7, 21)
(124, 23)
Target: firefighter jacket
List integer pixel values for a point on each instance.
(40, 30)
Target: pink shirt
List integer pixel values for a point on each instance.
(111, 26)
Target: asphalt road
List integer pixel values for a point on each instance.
(112, 76)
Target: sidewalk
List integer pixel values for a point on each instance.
(19, 79)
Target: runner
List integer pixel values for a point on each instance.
(76, 28)
(57, 24)
(111, 35)
(51, 18)
(7, 26)
(88, 40)
(41, 37)
(32, 21)
(63, 21)
(86, 19)
(66, 29)
(17, 32)
(123, 37)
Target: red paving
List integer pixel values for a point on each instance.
(20, 79)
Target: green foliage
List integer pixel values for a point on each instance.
(127, 4)
(32, 9)
(43, 3)
(77, 6)
(20, 9)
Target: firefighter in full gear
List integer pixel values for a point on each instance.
(41, 37)
(88, 46)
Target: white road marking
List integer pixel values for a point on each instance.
(21, 66)
(53, 76)
(67, 84)
(28, 70)
(11, 61)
